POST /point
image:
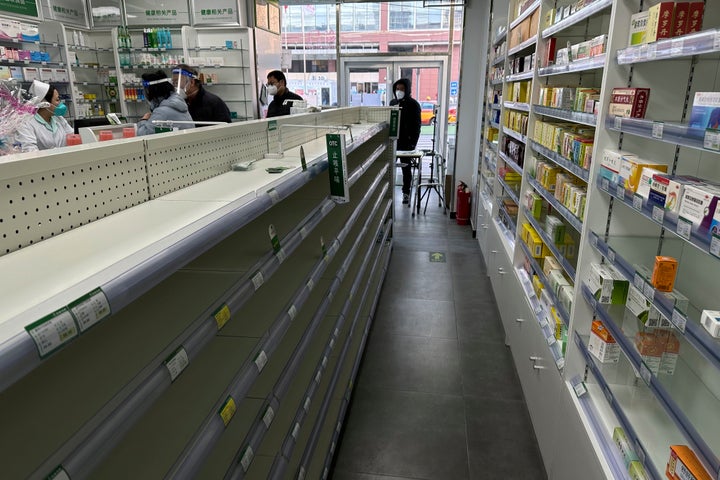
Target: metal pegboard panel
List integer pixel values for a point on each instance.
(294, 136)
(37, 202)
(181, 159)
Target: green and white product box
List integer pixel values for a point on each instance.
(641, 309)
(607, 284)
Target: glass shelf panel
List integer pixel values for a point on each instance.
(586, 12)
(519, 76)
(569, 115)
(516, 135)
(671, 132)
(592, 63)
(699, 43)
(523, 107)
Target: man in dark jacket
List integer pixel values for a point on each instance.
(277, 87)
(203, 105)
(409, 127)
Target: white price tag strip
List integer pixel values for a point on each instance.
(712, 140)
(332, 343)
(605, 185)
(274, 196)
(611, 255)
(637, 202)
(296, 431)
(176, 363)
(90, 309)
(268, 417)
(684, 228)
(645, 373)
(221, 316)
(715, 246)
(679, 320)
(618, 122)
(303, 232)
(657, 129)
(227, 411)
(261, 360)
(281, 255)
(306, 405)
(639, 281)
(551, 340)
(258, 280)
(324, 361)
(338, 427)
(318, 376)
(247, 458)
(580, 389)
(53, 331)
(620, 190)
(652, 51)
(658, 214)
(292, 312)
(310, 284)
(716, 46)
(649, 291)
(676, 46)
(301, 474)
(58, 474)
(560, 363)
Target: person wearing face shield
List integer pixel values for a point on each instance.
(409, 132)
(165, 104)
(47, 128)
(202, 105)
(277, 87)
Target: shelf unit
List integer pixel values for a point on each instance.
(656, 407)
(175, 278)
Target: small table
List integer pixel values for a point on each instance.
(413, 158)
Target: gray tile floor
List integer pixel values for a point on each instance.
(437, 396)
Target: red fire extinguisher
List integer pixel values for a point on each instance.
(462, 210)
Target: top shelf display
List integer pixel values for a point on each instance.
(588, 11)
(528, 11)
(698, 43)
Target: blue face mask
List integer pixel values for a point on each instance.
(60, 110)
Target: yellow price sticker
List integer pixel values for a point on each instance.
(222, 315)
(228, 410)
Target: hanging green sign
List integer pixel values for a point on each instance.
(394, 123)
(337, 167)
(19, 7)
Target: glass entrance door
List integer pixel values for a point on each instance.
(367, 85)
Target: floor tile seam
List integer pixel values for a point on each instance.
(359, 386)
(387, 334)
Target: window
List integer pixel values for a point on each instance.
(311, 18)
(358, 17)
(413, 16)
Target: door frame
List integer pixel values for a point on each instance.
(394, 63)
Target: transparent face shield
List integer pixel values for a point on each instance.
(147, 84)
(182, 79)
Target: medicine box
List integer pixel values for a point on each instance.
(17, 73)
(631, 171)
(602, 345)
(566, 297)
(607, 284)
(46, 74)
(638, 28)
(31, 73)
(646, 180)
(638, 306)
(533, 202)
(684, 465)
(611, 163)
(637, 471)
(664, 271)
(698, 204)
(555, 228)
(710, 320)
(705, 110)
(671, 351)
(5, 73)
(695, 17)
(557, 280)
(537, 285)
(680, 21)
(550, 264)
(60, 75)
(536, 245)
(629, 102)
(623, 443)
(675, 189)
(650, 350)
(660, 21)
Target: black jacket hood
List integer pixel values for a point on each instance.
(406, 83)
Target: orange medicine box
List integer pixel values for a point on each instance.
(684, 465)
(602, 345)
(663, 276)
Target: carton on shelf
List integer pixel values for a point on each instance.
(680, 21)
(607, 284)
(695, 17)
(684, 464)
(631, 171)
(602, 345)
(671, 351)
(705, 111)
(664, 271)
(650, 350)
(629, 102)
(638, 28)
(646, 181)
(660, 21)
(699, 203)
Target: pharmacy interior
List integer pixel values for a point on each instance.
(199, 292)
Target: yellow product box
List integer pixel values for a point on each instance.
(684, 465)
(631, 170)
(527, 229)
(537, 285)
(558, 323)
(570, 249)
(548, 178)
(623, 443)
(536, 245)
(637, 471)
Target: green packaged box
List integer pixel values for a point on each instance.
(607, 284)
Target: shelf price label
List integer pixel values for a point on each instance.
(227, 411)
(176, 363)
(684, 228)
(715, 246)
(658, 214)
(90, 309)
(652, 51)
(551, 340)
(712, 140)
(296, 431)
(645, 373)
(620, 190)
(611, 255)
(676, 46)
(268, 416)
(53, 331)
(246, 458)
(637, 202)
(679, 320)
(618, 123)
(649, 291)
(639, 282)
(58, 474)
(261, 360)
(605, 185)
(657, 130)
(716, 46)
(221, 316)
(258, 280)
(560, 363)
(580, 389)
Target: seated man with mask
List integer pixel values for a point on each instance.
(277, 87)
(203, 105)
(165, 105)
(47, 128)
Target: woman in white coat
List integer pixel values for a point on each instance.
(47, 128)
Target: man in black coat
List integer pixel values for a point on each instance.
(409, 127)
(203, 105)
(277, 87)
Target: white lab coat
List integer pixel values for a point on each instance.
(37, 134)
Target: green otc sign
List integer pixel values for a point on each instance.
(394, 123)
(337, 167)
(19, 7)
